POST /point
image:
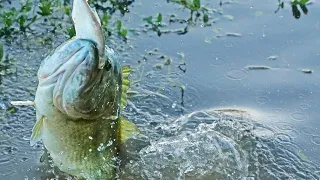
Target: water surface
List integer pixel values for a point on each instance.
(210, 64)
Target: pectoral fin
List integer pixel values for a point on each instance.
(126, 130)
(126, 70)
(37, 131)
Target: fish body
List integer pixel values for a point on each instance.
(78, 104)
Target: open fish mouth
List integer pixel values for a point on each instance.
(73, 76)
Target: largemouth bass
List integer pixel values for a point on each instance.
(78, 101)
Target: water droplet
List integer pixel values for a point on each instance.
(101, 147)
(299, 116)
(315, 140)
(109, 143)
(90, 150)
(236, 74)
(174, 105)
(217, 62)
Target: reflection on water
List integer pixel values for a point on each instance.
(233, 54)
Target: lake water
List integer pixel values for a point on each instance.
(249, 58)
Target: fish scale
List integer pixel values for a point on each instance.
(78, 102)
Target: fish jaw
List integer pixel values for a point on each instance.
(87, 25)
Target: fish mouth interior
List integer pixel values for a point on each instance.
(65, 60)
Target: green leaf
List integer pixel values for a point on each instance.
(119, 25)
(295, 12)
(71, 31)
(26, 7)
(1, 51)
(303, 2)
(67, 10)
(304, 9)
(148, 20)
(295, 2)
(159, 18)
(196, 4)
(124, 32)
(205, 18)
(45, 7)
(105, 19)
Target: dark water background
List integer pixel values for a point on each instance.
(209, 62)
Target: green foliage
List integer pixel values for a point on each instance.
(51, 14)
(45, 8)
(105, 20)
(122, 32)
(1, 51)
(294, 6)
(14, 18)
(193, 5)
(71, 31)
(159, 18)
(155, 24)
(205, 18)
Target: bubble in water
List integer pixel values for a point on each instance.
(224, 84)
(299, 116)
(229, 44)
(262, 100)
(315, 140)
(218, 61)
(236, 74)
(305, 106)
(283, 138)
(308, 130)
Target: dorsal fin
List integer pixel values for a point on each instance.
(126, 70)
(126, 130)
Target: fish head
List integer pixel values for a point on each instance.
(70, 80)
(88, 26)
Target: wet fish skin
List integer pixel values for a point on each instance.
(79, 110)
